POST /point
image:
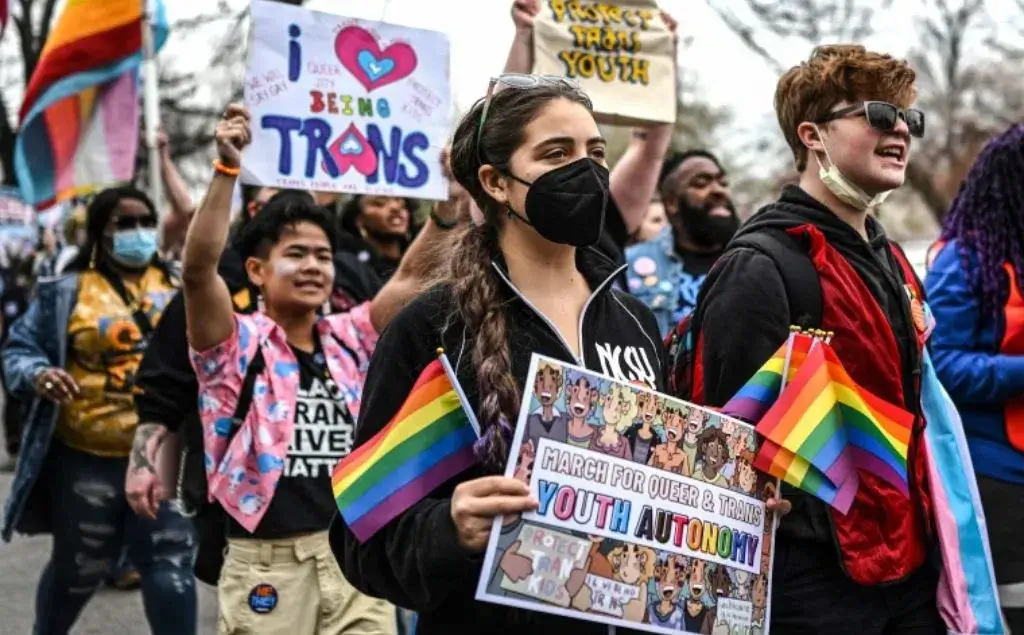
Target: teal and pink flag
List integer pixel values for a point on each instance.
(79, 120)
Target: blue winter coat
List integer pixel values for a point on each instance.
(980, 379)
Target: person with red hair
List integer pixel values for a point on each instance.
(817, 258)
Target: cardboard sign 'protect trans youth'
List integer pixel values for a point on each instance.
(620, 51)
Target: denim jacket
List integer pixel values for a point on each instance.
(654, 274)
(38, 339)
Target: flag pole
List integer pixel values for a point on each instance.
(151, 106)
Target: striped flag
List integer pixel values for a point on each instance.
(79, 118)
(428, 441)
(834, 427)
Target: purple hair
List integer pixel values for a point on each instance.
(987, 218)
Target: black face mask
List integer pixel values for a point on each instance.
(567, 205)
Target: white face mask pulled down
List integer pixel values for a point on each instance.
(844, 189)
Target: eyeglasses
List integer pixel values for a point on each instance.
(882, 116)
(132, 222)
(520, 81)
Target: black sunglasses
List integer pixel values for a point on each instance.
(520, 81)
(882, 116)
(132, 222)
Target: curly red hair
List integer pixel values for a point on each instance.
(836, 73)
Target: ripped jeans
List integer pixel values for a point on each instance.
(91, 521)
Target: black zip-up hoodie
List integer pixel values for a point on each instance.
(745, 288)
(416, 561)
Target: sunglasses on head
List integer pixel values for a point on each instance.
(133, 222)
(519, 81)
(882, 116)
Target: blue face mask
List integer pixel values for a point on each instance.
(134, 247)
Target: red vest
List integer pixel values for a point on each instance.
(1013, 344)
(884, 537)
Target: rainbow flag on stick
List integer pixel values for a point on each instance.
(79, 118)
(428, 441)
(759, 393)
(777, 461)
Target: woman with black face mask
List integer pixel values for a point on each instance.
(525, 280)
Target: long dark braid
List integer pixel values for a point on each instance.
(987, 218)
(475, 285)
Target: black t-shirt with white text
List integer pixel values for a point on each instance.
(324, 429)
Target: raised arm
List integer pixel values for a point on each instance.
(520, 54)
(208, 309)
(174, 223)
(635, 177)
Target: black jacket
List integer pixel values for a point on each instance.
(416, 561)
(745, 288)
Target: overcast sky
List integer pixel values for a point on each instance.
(481, 30)
(729, 74)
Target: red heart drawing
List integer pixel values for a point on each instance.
(359, 52)
(351, 149)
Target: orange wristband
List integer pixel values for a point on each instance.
(223, 169)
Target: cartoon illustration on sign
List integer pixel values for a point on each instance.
(625, 534)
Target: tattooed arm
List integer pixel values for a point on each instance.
(142, 483)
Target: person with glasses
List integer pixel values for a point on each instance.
(280, 391)
(974, 289)
(526, 279)
(817, 258)
(74, 355)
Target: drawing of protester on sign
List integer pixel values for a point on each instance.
(630, 532)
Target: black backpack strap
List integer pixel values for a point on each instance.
(800, 278)
(256, 367)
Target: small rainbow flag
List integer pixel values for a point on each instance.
(427, 442)
(777, 461)
(824, 427)
(79, 117)
(759, 393)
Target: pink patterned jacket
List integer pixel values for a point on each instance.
(242, 474)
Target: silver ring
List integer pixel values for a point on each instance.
(48, 385)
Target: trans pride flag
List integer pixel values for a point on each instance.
(79, 118)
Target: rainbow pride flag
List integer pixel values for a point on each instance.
(824, 427)
(79, 118)
(777, 461)
(759, 393)
(428, 441)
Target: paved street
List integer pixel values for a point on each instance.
(21, 562)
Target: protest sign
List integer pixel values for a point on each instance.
(620, 51)
(345, 105)
(651, 515)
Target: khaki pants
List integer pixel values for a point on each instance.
(312, 595)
